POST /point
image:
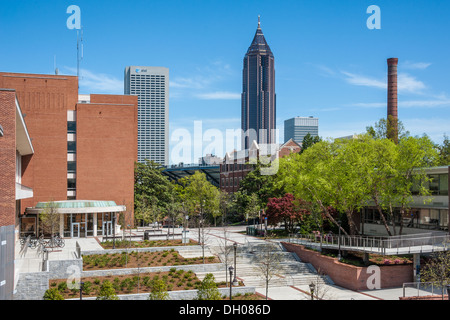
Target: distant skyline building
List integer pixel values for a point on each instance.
(151, 85)
(258, 117)
(298, 127)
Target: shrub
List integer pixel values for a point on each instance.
(87, 287)
(208, 289)
(107, 292)
(53, 294)
(62, 286)
(158, 291)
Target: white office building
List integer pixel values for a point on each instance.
(297, 128)
(151, 85)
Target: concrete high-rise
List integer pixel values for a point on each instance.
(297, 128)
(151, 86)
(258, 117)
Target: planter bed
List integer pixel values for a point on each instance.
(135, 259)
(175, 280)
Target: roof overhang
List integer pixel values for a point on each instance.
(78, 206)
(23, 140)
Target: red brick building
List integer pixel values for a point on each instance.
(85, 146)
(15, 144)
(237, 164)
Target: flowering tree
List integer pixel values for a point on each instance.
(287, 209)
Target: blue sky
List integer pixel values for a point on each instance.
(328, 63)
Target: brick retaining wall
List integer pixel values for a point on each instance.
(352, 277)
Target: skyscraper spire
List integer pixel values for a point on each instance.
(258, 117)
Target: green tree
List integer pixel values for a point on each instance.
(158, 290)
(200, 196)
(444, 152)
(208, 289)
(309, 141)
(346, 174)
(253, 207)
(153, 192)
(107, 291)
(53, 294)
(437, 270)
(415, 155)
(50, 219)
(260, 184)
(380, 129)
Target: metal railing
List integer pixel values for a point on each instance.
(420, 289)
(405, 244)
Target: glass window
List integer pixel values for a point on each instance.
(443, 184)
(67, 224)
(71, 184)
(28, 226)
(424, 216)
(71, 166)
(99, 223)
(71, 127)
(434, 183)
(71, 146)
(90, 224)
(444, 219)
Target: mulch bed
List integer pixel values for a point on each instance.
(136, 259)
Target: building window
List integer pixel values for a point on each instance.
(71, 146)
(71, 184)
(71, 127)
(71, 166)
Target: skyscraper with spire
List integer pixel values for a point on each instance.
(258, 118)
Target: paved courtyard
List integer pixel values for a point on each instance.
(31, 261)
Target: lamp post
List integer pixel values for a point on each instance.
(312, 287)
(235, 282)
(81, 290)
(339, 241)
(231, 276)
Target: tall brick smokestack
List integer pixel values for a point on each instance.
(392, 110)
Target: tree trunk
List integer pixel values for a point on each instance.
(383, 218)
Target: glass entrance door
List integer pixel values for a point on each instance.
(107, 228)
(75, 230)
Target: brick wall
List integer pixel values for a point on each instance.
(7, 158)
(352, 277)
(44, 100)
(107, 149)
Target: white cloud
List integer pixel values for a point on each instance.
(202, 83)
(415, 65)
(360, 80)
(407, 104)
(198, 82)
(405, 82)
(219, 95)
(98, 82)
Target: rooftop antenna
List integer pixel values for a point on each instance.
(259, 21)
(79, 52)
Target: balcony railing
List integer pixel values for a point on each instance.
(405, 244)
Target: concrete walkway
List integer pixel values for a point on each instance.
(30, 261)
(216, 236)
